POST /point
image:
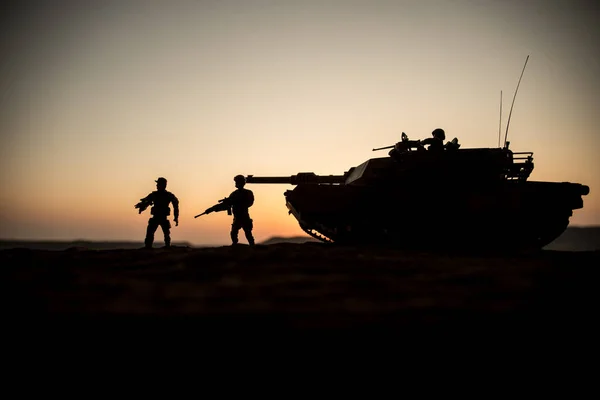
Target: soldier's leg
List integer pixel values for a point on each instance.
(152, 225)
(247, 226)
(166, 228)
(235, 228)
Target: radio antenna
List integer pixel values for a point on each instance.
(513, 102)
(500, 123)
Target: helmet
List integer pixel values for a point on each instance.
(439, 133)
(239, 178)
(161, 180)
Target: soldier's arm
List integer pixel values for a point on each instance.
(149, 198)
(250, 198)
(231, 199)
(175, 202)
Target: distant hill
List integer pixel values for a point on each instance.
(577, 239)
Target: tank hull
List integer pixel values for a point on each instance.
(508, 215)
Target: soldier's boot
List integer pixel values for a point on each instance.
(148, 242)
(166, 230)
(234, 238)
(250, 239)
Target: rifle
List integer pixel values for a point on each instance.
(222, 205)
(142, 205)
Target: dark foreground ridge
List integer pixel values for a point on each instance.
(310, 285)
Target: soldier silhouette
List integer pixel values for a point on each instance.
(240, 200)
(436, 143)
(159, 199)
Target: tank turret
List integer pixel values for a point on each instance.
(417, 197)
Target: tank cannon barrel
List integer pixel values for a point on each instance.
(298, 179)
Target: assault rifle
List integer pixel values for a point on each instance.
(142, 205)
(222, 205)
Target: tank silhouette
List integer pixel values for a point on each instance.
(418, 198)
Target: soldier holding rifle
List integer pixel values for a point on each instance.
(237, 203)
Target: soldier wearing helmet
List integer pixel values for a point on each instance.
(240, 200)
(159, 199)
(436, 143)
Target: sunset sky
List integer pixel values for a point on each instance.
(99, 99)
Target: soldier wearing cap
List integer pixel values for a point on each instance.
(240, 200)
(159, 199)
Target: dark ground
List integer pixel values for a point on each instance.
(285, 287)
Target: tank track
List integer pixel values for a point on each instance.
(316, 234)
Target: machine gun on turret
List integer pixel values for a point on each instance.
(222, 205)
(406, 145)
(403, 146)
